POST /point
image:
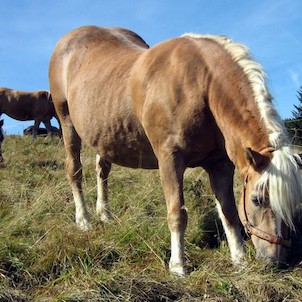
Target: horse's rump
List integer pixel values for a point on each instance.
(100, 93)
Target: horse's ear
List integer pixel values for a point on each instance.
(48, 95)
(44, 94)
(255, 159)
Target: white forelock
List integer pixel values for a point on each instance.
(282, 178)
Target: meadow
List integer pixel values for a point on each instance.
(44, 257)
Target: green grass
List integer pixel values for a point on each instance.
(43, 257)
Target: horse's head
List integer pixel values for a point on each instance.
(271, 193)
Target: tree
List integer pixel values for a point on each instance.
(297, 114)
(294, 125)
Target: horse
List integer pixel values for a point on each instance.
(190, 101)
(24, 106)
(1, 141)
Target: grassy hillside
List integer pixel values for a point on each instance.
(43, 257)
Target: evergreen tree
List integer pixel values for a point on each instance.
(294, 125)
(297, 114)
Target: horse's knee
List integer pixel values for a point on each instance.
(228, 212)
(177, 218)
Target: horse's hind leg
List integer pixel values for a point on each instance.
(103, 168)
(221, 177)
(171, 169)
(72, 144)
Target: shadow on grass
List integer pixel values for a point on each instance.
(295, 253)
(47, 164)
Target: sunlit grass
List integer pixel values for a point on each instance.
(43, 256)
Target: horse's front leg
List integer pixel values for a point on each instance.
(48, 126)
(36, 128)
(103, 168)
(171, 169)
(221, 177)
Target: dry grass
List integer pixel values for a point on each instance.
(43, 257)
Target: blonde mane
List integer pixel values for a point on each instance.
(282, 178)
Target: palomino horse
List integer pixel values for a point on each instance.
(1, 141)
(187, 102)
(24, 106)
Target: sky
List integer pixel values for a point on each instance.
(271, 29)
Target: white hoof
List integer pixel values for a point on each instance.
(177, 269)
(84, 224)
(104, 215)
(240, 263)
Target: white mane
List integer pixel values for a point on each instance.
(282, 177)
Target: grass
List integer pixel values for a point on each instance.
(43, 257)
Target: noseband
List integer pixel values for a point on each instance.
(252, 230)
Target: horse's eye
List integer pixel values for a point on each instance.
(257, 201)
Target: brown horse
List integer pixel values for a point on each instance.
(24, 106)
(192, 101)
(1, 141)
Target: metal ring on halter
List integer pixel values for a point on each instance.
(250, 229)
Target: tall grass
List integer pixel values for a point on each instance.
(43, 257)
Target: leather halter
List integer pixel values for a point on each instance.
(252, 230)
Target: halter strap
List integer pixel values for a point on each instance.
(252, 230)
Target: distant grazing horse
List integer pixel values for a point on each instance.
(187, 102)
(25, 106)
(1, 141)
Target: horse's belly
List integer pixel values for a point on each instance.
(20, 116)
(132, 157)
(125, 148)
(18, 111)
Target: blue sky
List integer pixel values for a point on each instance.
(272, 29)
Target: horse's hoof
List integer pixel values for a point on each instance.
(240, 264)
(177, 269)
(84, 225)
(105, 216)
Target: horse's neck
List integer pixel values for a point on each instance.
(241, 127)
